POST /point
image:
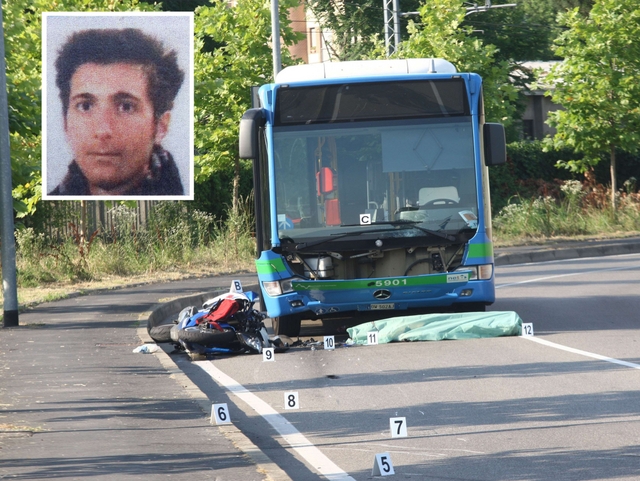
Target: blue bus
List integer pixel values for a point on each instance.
(372, 191)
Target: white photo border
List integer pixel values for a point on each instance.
(176, 31)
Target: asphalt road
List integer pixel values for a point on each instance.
(560, 405)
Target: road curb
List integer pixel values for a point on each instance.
(545, 254)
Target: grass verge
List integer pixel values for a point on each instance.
(176, 244)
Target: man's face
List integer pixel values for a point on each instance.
(110, 125)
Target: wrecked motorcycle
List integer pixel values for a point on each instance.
(227, 323)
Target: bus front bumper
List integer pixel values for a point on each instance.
(332, 298)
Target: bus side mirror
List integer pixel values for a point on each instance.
(250, 124)
(495, 144)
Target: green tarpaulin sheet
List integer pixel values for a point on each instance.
(437, 327)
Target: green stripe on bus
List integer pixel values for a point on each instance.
(272, 266)
(480, 250)
(380, 283)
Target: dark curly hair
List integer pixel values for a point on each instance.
(128, 45)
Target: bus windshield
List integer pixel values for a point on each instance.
(375, 176)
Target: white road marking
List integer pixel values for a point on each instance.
(566, 348)
(538, 279)
(290, 434)
(582, 353)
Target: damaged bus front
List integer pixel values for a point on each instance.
(371, 188)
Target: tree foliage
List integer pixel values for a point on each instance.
(597, 84)
(583, 6)
(232, 54)
(521, 33)
(21, 23)
(354, 29)
(526, 31)
(441, 34)
(518, 34)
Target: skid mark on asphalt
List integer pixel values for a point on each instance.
(289, 433)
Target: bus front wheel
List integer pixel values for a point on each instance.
(286, 325)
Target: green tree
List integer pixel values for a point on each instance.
(22, 23)
(525, 31)
(521, 33)
(583, 6)
(441, 34)
(597, 84)
(180, 5)
(233, 53)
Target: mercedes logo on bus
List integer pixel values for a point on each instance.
(382, 294)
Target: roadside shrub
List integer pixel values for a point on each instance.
(527, 173)
(530, 173)
(234, 244)
(176, 237)
(575, 209)
(33, 265)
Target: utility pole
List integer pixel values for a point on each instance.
(7, 236)
(393, 32)
(391, 25)
(275, 38)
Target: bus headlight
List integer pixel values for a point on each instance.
(272, 288)
(277, 288)
(485, 272)
(482, 272)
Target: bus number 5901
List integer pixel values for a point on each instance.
(391, 283)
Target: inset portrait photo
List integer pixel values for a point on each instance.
(117, 106)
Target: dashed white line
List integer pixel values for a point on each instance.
(289, 433)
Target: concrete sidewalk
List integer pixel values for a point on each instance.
(76, 402)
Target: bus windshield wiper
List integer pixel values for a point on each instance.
(414, 224)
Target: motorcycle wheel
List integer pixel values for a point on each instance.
(161, 333)
(173, 333)
(208, 338)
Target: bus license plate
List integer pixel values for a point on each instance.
(382, 306)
